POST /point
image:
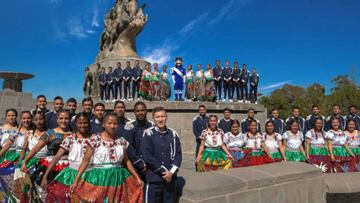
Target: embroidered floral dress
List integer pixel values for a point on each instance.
(272, 144)
(354, 144)
(319, 155)
(106, 179)
(236, 146)
(293, 146)
(213, 157)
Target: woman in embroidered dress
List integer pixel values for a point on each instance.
(353, 140)
(75, 144)
(165, 84)
(145, 89)
(235, 142)
(189, 91)
(259, 154)
(10, 128)
(293, 142)
(342, 157)
(199, 84)
(52, 140)
(21, 184)
(213, 154)
(273, 142)
(105, 173)
(210, 92)
(155, 83)
(316, 149)
(14, 144)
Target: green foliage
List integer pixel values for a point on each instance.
(345, 92)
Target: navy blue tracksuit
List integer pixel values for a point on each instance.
(244, 79)
(309, 124)
(328, 119)
(225, 125)
(127, 74)
(110, 86)
(96, 126)
(245, 124)
(354, 117)
(136, 76)
(51, 119)
(217, 72)
(103, 85)
(236, 83)
(280, 126)
(199, 124)
(254, 82)
(162, 152)
(118, 86)
(227, 73)
(133, 133)
(299, 120)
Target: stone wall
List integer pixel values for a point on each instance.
(18, 100)
(285, 182)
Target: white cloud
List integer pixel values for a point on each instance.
(275, 85)
(192, 25)
(76, 29)
(228, 11)
(164, 52)
(94, 20)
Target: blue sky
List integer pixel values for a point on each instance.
(299, 42)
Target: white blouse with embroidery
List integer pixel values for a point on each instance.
(212, 138)
(254, 142)
(232, 140)
(318, 140)
(338, 137)
(353, 138)
(107, 152)
(272, 142)
(76, 148)
(294, 141)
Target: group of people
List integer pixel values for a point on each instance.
(330, 143)
(92, 156)
(210, 84)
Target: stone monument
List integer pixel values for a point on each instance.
(123, 23)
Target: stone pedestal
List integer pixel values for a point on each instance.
(111, 62)
(13, 80)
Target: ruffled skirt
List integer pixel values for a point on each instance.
(213, 159)
(320, 158)
(113, 184)
(343, 161)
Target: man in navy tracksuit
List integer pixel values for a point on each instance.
(199, 124)
(96, 125)
(336, 113)
(225, 123)
(254, 82)
(110, 84)
(162, 154)
(137, 72)
(118, 86)
(127, 75)
(51, 116)
(103, 84)
(352, 115)
(244, 79)
(310, 119)
(279, 123)
(218, 72)
(236, 81)
(227, 77)
(133, 133)
(246, 121)
(295, 115)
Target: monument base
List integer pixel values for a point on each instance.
(112, 62)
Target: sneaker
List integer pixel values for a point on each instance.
(256, 102)
(224, 100)
(113, 100)
(230, 100)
